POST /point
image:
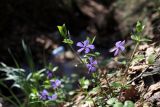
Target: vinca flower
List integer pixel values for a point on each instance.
(85, 46)
(44, 95)
(55, 83)
(53, 97)
(49, 74)
(119, 46)
(91, 65)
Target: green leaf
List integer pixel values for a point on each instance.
(94, 75)
(145, 40)
(84, 83)
(28, 56)
(68, 41)
(29, 76)
(89, 55)
(139, 26)
(112, 101)
(116, 85)
(124, 62)
(151, 59)
(97, 53)
(50, 66)
(16, 85)
(47, 86)
(71, 93)
(95, 90)
(17, 75)
(137, 59)
(62, 30)
(135, 37)
(34, 90)
(128, 104)
(47, 82)
(92, 55)
(93, 39)
(118, 104)
(89, 102)
(127, 86)
(55, 69)
(41, 71)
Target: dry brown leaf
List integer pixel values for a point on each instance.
(143, 47)
(149, 51)
(153, 94)
(137, 68)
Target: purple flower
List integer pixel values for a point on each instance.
(49, 74)
(119, 46)
(91, 65)
(53, 97)
(44, 95)
(85, 46)
(55, 83)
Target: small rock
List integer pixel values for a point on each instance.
(69, 55)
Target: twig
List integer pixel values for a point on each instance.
(138, 75)
(143, 71)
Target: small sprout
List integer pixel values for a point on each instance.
(137, 36)
(91, 40)
(68, 41)
(139, 27)
(151, 59)
(63, 30)
(84, 83)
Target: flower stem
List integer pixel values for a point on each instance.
(137, 44)
(88, 96)
(131, 58)
(15, 97)
(109, 87)
(9, 100)
(76, 54)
